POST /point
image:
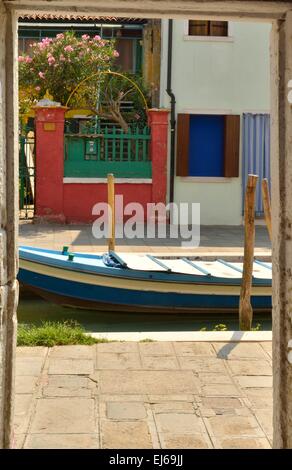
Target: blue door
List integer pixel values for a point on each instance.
(206, 148)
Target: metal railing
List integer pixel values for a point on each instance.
(99, 150)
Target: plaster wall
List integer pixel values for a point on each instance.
(217, 76)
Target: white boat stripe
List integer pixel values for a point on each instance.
(138, 284)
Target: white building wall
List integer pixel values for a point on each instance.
(217, 76)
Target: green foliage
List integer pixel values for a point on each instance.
(222, 327)
(60, 64)
(54, 334)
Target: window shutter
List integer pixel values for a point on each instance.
(198, 27)
(182, 144)
(231, 145)
(218, 28)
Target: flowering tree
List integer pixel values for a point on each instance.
(72, 67)
(60, 64)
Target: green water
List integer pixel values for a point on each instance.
(34, 310)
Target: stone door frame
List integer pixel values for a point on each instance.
(277, 12)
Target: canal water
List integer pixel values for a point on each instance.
(34, 310)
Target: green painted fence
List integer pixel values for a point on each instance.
(101, 150)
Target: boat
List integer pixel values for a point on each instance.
(127, 282)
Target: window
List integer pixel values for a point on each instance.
(208, 145)
(208, 28)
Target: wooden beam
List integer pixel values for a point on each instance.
(267, 206)
(111, 203)
(191, 9)
(245, 308)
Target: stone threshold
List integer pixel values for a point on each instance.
(194, 336)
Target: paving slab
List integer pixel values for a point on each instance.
(251, 367)
(125, 435)
(71, 366)
(221, 403)
(25, 383)
(244, 443)
(125, 410)
(185, 441)
(62, 441)
(28, 351)
(67, 386)
(179, 423)
(260, 397)
(22, 412)
(72, 352)
(200, 364)
(29, 365)
(237, 350)
(250, 381)
(173, 407)
(234, 426)
(144, 395)
(121, 360)
(220, 390)
(194, 349)
(117, 347)
(265, 418)
(156, 349)
(159, 362)
(149, 382)
(64, 415)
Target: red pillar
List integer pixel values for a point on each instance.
(49, 122)
(158, 121)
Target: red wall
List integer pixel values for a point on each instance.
(79, 199)
(57, 201)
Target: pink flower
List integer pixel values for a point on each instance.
(62, 57)
(21, 58)
(28, 60)
(85, 37)
(60, 36)
(37, 88)
(97, 38)
(41, 75)
(116, 54)
(51, 60)
(68, 48)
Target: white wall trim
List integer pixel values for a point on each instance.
(228, 39)
(197, 336)
(205, 179)
(206, 111)
(256, 111)
(224, 39)
(68, 180)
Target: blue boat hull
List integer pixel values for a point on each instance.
(83, 291)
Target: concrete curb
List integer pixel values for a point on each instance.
(197, 336)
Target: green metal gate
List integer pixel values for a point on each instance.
(26, 173)
(99, 150)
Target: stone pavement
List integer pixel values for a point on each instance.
(144, 395)
(214, 240)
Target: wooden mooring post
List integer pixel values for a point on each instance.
(267, 206)
(245, 308)
(111, 217)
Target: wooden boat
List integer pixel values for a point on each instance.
(140, 283)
